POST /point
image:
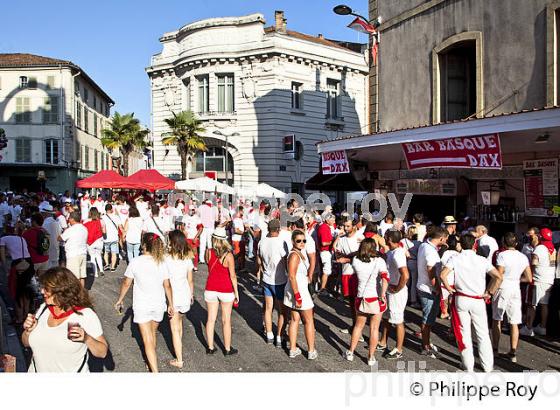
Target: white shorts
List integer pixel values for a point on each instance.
(507, 301)
(42, 266)
(211, 296)
(326, 261)
(77, 265)
(396, 305)
(182, 309)
(145, 317)
(541, 293)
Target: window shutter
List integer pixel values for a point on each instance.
(32, 83)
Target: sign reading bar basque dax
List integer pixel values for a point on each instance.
(462, 152)
(334, 162)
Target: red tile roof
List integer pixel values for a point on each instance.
(318, 40)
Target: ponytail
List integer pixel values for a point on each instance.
(152, 244)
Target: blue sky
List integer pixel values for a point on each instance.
(113, 40)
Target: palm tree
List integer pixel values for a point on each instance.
(126, 135)
(185, 134)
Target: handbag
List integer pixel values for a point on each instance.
(22, 265)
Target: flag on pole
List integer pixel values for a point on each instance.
(359, 24)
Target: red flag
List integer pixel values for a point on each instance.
(359, 24)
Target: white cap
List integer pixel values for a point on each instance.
(46, 208)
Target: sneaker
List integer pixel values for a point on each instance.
(348, 355)
(429, 353)
(511, 356)
(278, 343)
(269, 341)
(211, 351)
(525, 331)
(362, 339)
(539, 330)
(231, 351)
(113, 269)
(434, 347)
(295, 353)
(393, 354)
(312, 355)
(381, 348)
(372, 361)
(106, 267)
(345, 330)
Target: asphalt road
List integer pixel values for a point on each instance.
(255, 355)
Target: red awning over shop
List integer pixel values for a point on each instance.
(103, 179)
(149, 179)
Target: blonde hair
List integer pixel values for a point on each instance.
(221, 247)
(411, 231)
(152, 244)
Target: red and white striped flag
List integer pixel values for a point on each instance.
(359, 24)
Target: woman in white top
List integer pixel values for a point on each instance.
(369, 267)
(65, 327)
(179, 263)
(151, 286)
(411, 244)
(133, 233)
(297, 297)
(453, 249)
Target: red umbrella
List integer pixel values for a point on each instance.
(103, 179)
(149, 179)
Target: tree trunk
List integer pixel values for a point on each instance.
(125, 163)
(184, 175)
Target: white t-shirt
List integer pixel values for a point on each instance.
(54, 230)
(470, 272)
(16, 246)
(85, 205)
(122, 211)
(427, 256)
(287, 238)
(348, 245)
(178, 275)
(545, 270)
(237, 226)
(53, 351)
(273, 251)
(142, 209)
(191, 223)
(148, 293)
(396, 259)
(367, 273)
(111, 222)
(4, 210)
(514, 264)
(155, 225)
(310, 247)
(75, 240)
(262, 224)
(134, 230)
(168, 213)
(488, 244)
(384, 227)
(445, 258)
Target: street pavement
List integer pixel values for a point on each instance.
(255, 355)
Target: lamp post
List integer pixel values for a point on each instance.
(226, 136)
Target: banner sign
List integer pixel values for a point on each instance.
(334, 162)
(462, 152)
(541, 187)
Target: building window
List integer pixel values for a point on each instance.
(51, 151)
(23, 112)
(213, 160)
(95, 125)
(78, 152)
(333, 99)
(86, 119)
(108, 164)
(203, 94)
(23, 82)
(76, 87)
(50, 82)
(187, 91)
(95, 160)
(50, 110)
(94, 102)
(226, 93)
(32, 83)
(458, 81)
(86, 157)
(86, 95)
(297, 103)
(78, 115)
(23, 150)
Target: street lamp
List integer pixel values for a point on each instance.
(344, 10)
(226, 136)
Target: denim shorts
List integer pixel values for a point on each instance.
(274, 291)
(430, 307)
(112, 247)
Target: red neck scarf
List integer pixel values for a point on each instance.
(549, 245)
(64, 314)
(369, 234)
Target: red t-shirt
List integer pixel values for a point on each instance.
(31, 237)
(218, 275)
(324, 234)
(94, 230)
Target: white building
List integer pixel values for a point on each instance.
(258, 85)
(53, 114)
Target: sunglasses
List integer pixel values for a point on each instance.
(301, 240)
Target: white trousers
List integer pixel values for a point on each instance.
(94, 252)
(473, 312)
(205, 242)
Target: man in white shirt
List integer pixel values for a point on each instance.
(112, 224)
(156, 224)
(85, 205)
(238, 228)
(345, 248)
(208, 219)
(543, 262)
(4, 209)
(52, 227)
(75, 246)
(427, 287)
(468, 305)
(397, 293)
(514, 267)
(271, 266)
(193, 229)
(386, 223)
(487, 245)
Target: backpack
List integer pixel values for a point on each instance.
(43, 242)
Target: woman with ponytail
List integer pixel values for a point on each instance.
(150, 275)
(179, 260)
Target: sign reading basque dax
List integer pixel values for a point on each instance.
(462, 152)
(334, 162)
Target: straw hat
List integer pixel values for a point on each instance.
(449, 220)
(219, 233)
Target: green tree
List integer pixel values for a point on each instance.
(125, 134)
(185, 135)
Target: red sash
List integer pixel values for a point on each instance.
(456, 321)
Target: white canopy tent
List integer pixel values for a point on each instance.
(204, 184)
(261, 191)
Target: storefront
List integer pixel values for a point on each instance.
(501, 171)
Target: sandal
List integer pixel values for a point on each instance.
(176, 363)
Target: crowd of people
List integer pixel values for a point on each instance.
(448, 271)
